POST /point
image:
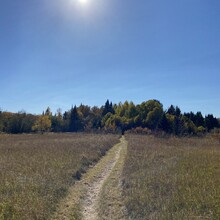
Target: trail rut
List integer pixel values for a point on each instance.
(82, 201)
(90, 204)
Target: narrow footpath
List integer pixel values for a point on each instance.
(98, 194)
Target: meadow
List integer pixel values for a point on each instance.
(37, 170)
(172, 178)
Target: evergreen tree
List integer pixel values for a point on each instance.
(74, 123)
(199, 120)
(211, 122)
(108, 108)
(177, 111)
(171, 110)
(174, 111)
(178, 126)
(48, 112)
(190, 116)
(66, 121)
(164, 124)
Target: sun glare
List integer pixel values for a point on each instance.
(83, 1)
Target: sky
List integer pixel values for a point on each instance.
(60, 53)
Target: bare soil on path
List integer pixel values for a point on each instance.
(98, 194)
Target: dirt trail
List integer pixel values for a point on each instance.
(83, 200)
(90, 204)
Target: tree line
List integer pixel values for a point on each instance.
(145, 117)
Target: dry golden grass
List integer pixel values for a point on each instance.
(172, 178)
(37, 170)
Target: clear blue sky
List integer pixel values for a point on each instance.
(59, 53)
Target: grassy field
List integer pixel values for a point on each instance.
(37, 170)
(172, 178)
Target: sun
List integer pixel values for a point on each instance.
(83, 1)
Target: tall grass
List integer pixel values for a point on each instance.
(37, 170)
(172, 178)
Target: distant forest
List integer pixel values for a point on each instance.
(146, 117)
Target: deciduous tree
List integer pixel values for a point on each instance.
(42, 124)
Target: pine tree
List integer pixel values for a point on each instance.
(48, 112)
(108, 108)
(211, 122)
(164, 124)
(171, 110)
(74, 124)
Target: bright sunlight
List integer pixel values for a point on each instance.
(83, 1)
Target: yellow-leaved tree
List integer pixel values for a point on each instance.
(42, 124)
